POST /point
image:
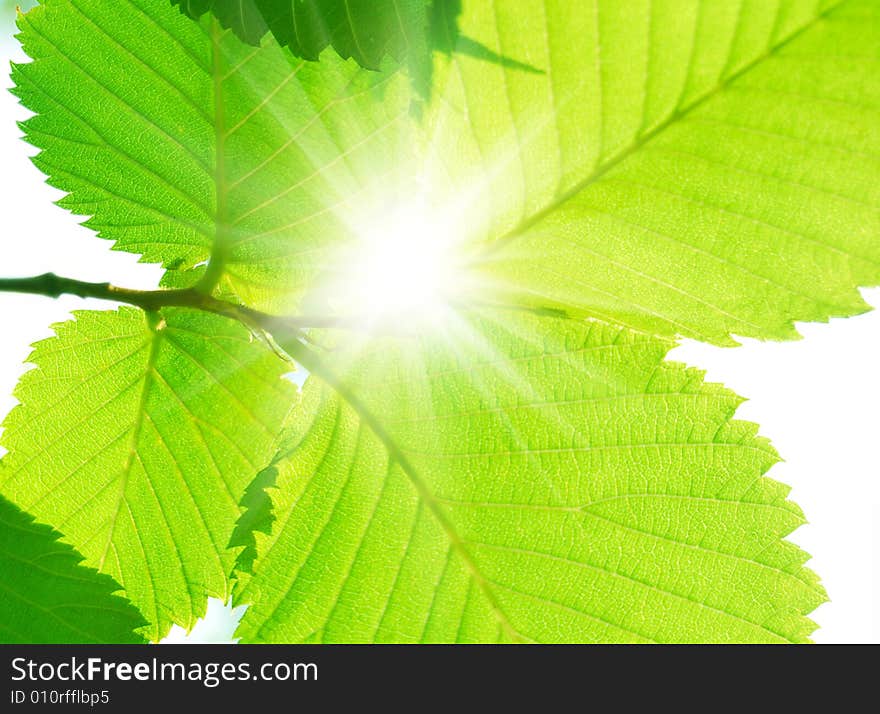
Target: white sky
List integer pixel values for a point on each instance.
(816, 399)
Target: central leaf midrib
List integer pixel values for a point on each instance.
(617, 159)
(316, 366)
(217, 258)
(156, 336)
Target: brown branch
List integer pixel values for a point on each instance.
(54, 286)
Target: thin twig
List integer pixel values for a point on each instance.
(52, 285)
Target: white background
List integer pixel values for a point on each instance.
(816, 399)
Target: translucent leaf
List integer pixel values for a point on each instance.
(696, 167)
(46, 596)
(525, 480)
(366, 30)
(243, 17)
(244, 155)
(137, 437)
(702, 168)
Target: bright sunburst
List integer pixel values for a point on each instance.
(404, 268)
(404, 265)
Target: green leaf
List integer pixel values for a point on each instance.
(244, 155)
(369, 31)
(243, 17)
(704, 168)
(366, 30)
(526, 479)
(682, 167)
(136, 436)
(48, 597)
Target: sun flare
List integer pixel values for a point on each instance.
(403, 267)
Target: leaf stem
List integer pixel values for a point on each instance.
(52, 285)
